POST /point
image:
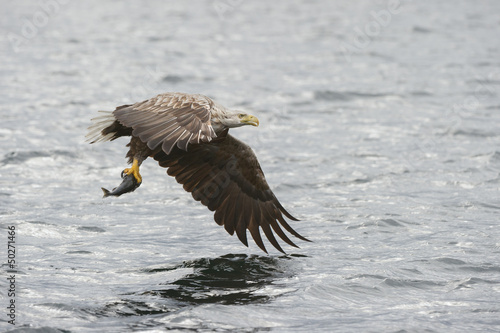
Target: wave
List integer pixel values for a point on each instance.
(19, 157)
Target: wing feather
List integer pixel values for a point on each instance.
(169, 120)
(244, 211)
(254, 231)
(225, 176)
(269, 234)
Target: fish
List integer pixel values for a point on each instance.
(128, 184)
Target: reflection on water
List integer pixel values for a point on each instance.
(230, 279)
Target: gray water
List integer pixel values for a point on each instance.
(380, 130)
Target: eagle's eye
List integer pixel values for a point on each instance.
(241, 115)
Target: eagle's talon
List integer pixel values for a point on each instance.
(134, 170)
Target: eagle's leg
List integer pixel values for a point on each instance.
(134, 170)
(137, 153)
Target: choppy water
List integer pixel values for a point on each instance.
(380, 130)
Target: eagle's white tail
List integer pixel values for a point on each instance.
(99, 123)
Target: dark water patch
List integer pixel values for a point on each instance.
(79, 252)
(451, 261)
(370, 156)
(19, 157)
(381, 56)
(421, 30)
(490, 310)
(65, 310)
(329, 95)
(366, 276)
(129, 307)
(361, 180)
(347, 291)
(488, 205)
(78, 102)
(161, 269)
(420, 93)
(39, 222)
(38, 330)
(230, 279)
(384, 223)
(475, 133)
(412, 270)
(469, 283)
(414, 284)
(159, 38)
(65, 73)
(495, 157)
(172, 78)
(392, 223)
(495, 180)
(361, 225)
(483, 81)
(483, 268)
(91, 229)
(467, 266)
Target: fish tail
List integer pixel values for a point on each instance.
(107, 193)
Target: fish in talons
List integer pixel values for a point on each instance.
(128, 184)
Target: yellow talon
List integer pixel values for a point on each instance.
(134, 170)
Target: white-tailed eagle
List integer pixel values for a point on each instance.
(188, 135)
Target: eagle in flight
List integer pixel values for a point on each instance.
(188, 135)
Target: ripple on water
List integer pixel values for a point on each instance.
(330, 95)
(18, 157)
(233, 279)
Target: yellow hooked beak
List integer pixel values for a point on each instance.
(250, 120)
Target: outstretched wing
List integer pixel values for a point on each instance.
(226, 177)
(169, 120)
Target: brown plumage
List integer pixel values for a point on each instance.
(174, 120)
(188, 135)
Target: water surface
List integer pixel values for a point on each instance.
(379, 129)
